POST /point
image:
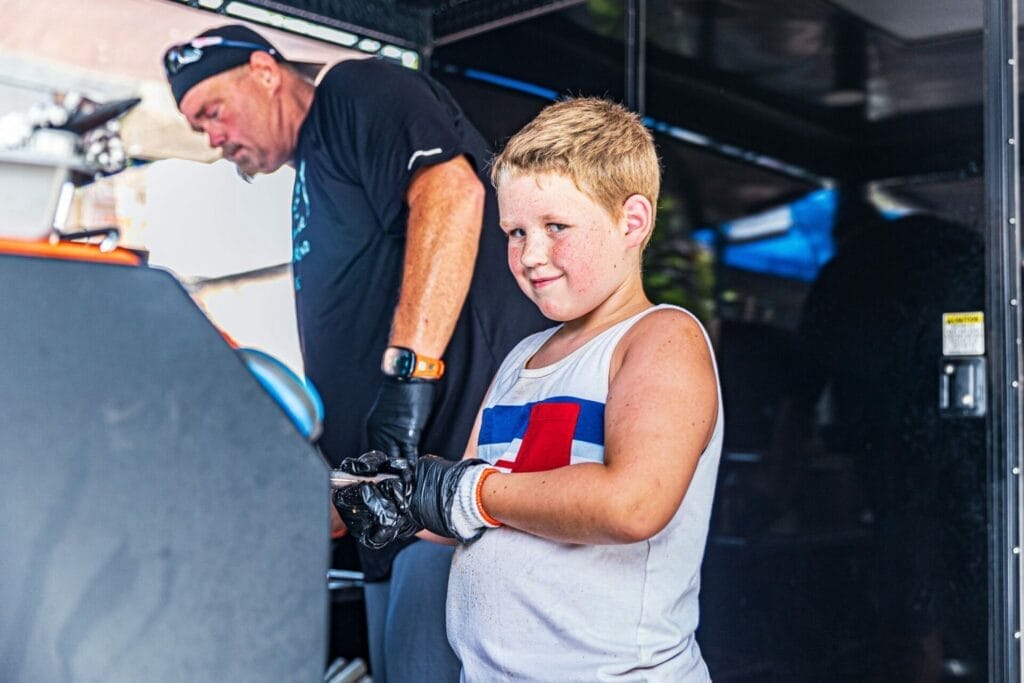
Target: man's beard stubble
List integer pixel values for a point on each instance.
(247, 177)
(229, 151)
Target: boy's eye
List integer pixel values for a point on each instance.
(556, 227)
(516, 233)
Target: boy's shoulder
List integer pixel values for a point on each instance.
(666, 330)
(668, 317)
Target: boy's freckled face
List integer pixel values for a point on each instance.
(566, 252)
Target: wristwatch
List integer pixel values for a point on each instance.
(403, 363)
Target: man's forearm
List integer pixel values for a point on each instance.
(445, 217)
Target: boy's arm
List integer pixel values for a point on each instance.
(659, 415)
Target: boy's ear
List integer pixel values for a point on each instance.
(636, 213)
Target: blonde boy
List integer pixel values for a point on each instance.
(593, 461)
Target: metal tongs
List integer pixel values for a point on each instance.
(340, 479)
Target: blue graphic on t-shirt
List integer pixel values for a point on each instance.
(300, 219)
(504, 423)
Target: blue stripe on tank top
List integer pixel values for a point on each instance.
(502, 423)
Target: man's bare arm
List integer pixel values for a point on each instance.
(446, 204)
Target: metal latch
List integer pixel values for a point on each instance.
(962, 387)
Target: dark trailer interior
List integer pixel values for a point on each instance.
(824, 206)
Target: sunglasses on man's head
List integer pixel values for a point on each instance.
(180, 56)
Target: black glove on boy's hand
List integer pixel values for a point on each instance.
(396, 420)
(444, 497)
(437, 494)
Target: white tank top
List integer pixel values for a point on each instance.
(526, 608)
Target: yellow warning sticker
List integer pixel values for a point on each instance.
(961, 318)
(963, 333)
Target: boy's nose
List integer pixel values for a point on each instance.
(534, 252)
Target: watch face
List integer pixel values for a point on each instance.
(398, 362)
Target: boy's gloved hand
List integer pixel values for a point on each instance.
(444, 497)
(440, 496)
(396, 420)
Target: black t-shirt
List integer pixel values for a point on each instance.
(371, 126)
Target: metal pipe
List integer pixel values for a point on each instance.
(636, 55)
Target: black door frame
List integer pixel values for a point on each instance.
(1002, 194)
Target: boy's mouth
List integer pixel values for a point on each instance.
(541, 282)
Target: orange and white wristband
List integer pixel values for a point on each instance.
(479, 495)
(469, 518)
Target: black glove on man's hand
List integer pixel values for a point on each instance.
(437, 494)
(396, 420)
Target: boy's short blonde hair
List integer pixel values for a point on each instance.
(603, 147)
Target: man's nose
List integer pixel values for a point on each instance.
(215, 137)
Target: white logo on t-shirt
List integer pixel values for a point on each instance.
(422, 153)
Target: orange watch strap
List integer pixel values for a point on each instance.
(428, 368)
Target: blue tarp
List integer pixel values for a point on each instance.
(794, 240)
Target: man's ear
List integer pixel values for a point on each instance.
(265, 69)
(637, 214)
